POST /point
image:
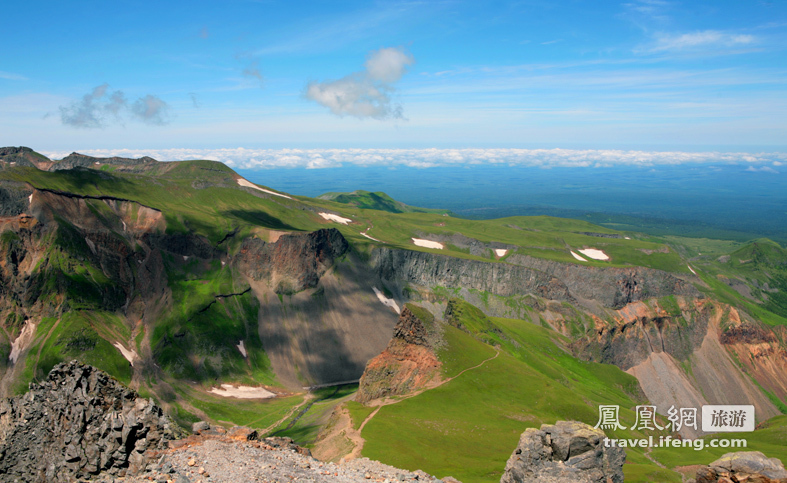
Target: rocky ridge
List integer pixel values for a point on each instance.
(743, 466)
(78, 423)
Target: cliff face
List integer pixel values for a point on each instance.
(429, 270)
(522, 275)
(78, 423)
(408, 364)
(612, 287)
(294, 262)
(686, 355)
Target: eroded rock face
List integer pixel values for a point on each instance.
(751, 466)
(566, 452)
(408, 363)
(80, 422)
(295, 262)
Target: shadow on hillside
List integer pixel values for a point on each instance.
(259, 218)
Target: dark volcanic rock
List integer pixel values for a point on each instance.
(13, 198)
(80, 422)
(568, 452)
(295, 262)
(751, 466)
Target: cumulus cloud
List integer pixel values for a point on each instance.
(706, 39)
(100, 107)
(388, 65)
(365, 94)
(244, 158)
(151, 110)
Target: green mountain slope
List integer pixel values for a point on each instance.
(180, 277)
(376, 201)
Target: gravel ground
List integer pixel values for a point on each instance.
(224, 460)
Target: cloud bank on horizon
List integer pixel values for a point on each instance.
(243, 158)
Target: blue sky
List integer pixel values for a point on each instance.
(648, 75)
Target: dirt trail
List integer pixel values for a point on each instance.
(306, 398)
(355, 435)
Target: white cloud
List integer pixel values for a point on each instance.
(762, 169)
(703, 40)
(244, 158)
(100, 107)
(365, 94)
(151, 110)
(388, 65)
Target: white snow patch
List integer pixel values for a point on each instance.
(385, 300)
(500, 252)
(97, 163)
(30, 198)
(124, 225)
(12, 163)
(242, 349)
(91, 245)
(577, 256)
(223, 263)
(427, 243)
(363, 233)
(185, 258)
(692, 270)
(336, 218)
(242, 392)
(626, 238)
(248, 184)
(20, 343)
(130, 355)
(594, 254)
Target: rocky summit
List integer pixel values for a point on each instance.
(748, 466)
(566, 452)
(78, 423)
(408, 364)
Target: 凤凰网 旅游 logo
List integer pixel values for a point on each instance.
(714, 418)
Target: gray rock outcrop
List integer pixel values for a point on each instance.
(750, 466)
(294, 262)
(566, 452)
(79, 423)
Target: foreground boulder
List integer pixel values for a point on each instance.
(78, 423)
(749, 466)
(566, 452)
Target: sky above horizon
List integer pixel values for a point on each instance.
(643, 75)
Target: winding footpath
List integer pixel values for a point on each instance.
(355, 435)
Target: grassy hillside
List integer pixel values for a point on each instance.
(468, 427)
(376, 201)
